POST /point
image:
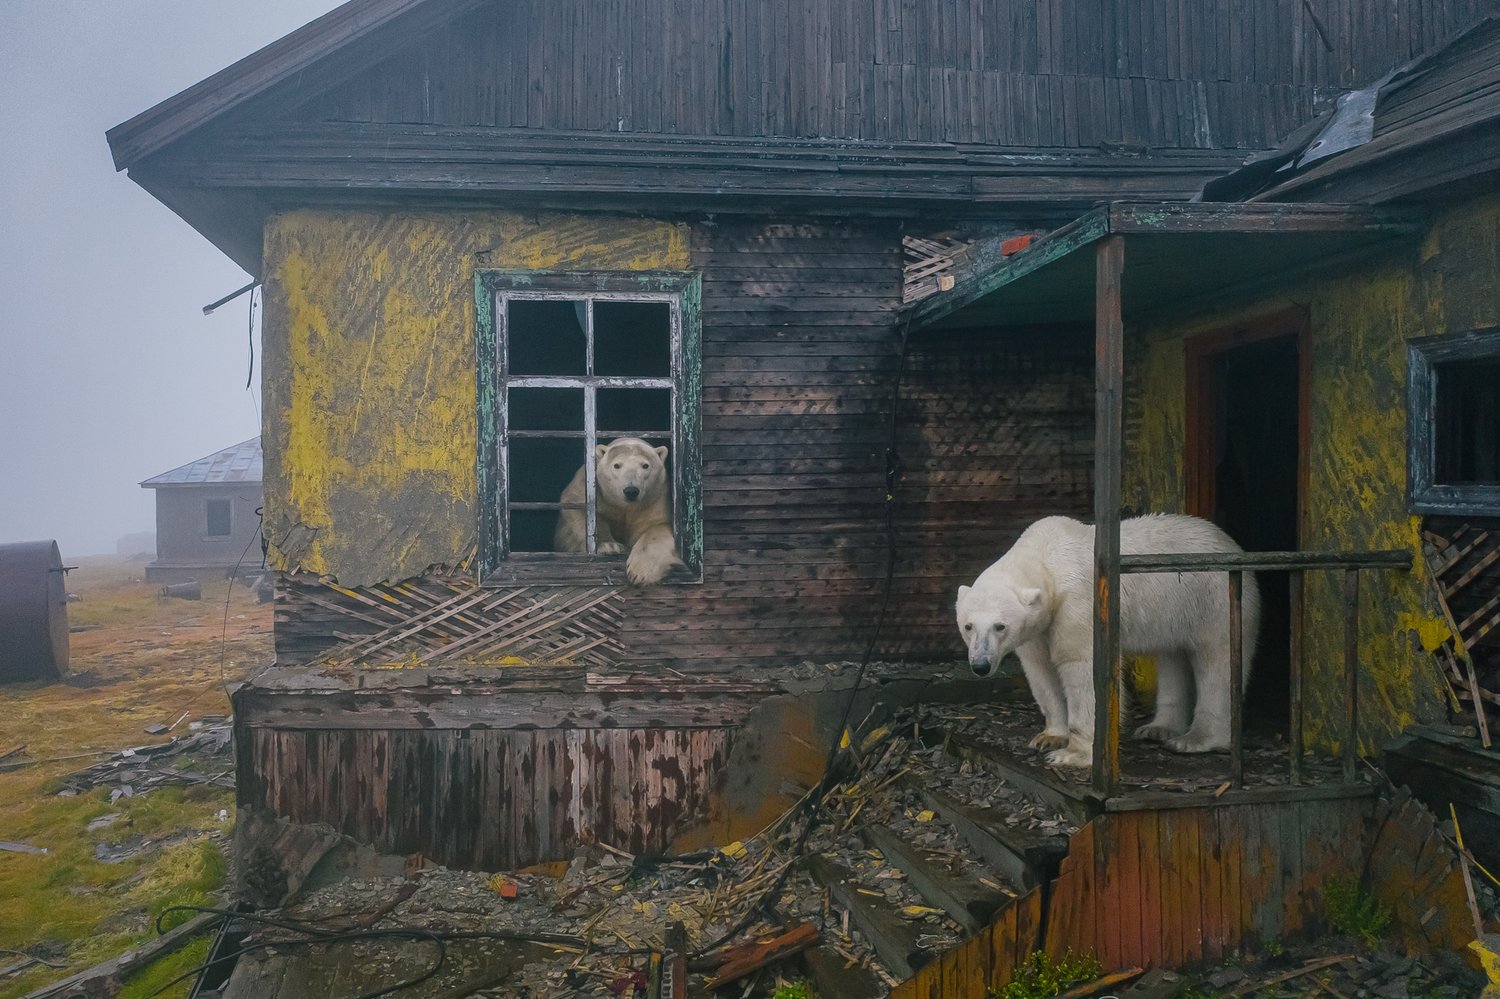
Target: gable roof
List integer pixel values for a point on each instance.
(238, 463)
(276, 66)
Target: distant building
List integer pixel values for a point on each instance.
(206, 515)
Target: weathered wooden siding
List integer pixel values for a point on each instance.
(370, 411)
(488, 799)
(183, 547)
(801, 342)
(1165, 74)
(1359, 322)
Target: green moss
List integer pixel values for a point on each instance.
(796, 990)
(151, 980)
(1042, 977)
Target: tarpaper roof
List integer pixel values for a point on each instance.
(240, 463)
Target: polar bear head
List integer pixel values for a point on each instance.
(996, 620)
(630, 472)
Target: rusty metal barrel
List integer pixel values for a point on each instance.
(33, 612)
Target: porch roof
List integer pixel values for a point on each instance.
(1176, 254)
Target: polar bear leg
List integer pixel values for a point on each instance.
(652, 556)
(1210, 728)
(1078, 688)
(1173, 699)
(1046, 688)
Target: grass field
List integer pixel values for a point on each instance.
(141, 661)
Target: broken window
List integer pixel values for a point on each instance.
(1454, 423)
(216, 512)
(569, 363)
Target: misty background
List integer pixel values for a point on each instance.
(109, 371)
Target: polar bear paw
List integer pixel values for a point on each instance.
(609, 548)
(1155, 733)
(647, 566)
(1190, 743)
(1070, 757)
(1048, 740)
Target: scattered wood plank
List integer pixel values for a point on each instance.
(893, 939)
(1025, 857)
(970, 905)
(116, 968)
(749, 958)
(1308, 968)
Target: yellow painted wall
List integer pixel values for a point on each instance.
(1360, 320)
(370, 428)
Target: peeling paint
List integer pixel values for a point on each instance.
(370, 417)
(1360, 321)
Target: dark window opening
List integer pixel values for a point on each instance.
(1467, 432)
(217, 512)
(1453, 424)
(578, 372)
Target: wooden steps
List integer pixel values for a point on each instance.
(1025, 857)
(1077, 804)
(893, 939)
(969, 905)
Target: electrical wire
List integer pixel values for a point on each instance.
(809, 805)
(320, 935)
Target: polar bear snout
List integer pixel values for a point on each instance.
(632, 493)
(981, 667)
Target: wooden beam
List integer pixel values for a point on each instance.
(1129, 217)
(1109, 387)
(893, 939)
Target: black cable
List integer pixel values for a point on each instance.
(811, 804)
(250, 336)
(320, 935)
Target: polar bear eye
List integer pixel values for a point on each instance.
(968, 627)
(999, 626)
(618, 465)
(645, 464)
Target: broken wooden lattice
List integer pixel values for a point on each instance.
(1463, 568)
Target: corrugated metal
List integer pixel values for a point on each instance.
(490, 799)
(33, 612)
(240, 463)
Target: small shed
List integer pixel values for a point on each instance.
(208, 515)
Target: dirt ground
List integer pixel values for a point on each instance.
(111, 866)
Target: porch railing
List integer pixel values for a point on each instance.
(1109, 668)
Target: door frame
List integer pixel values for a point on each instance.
(1199, 354)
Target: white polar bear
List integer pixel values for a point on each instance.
(1038, 602)
(632, 512)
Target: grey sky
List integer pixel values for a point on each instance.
(109, 372)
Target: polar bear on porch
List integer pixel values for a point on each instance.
(632, 510)
(1038, 602)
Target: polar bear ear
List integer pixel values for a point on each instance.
(600, 450)
(963, 591)
(661, 453)
(1029, 597)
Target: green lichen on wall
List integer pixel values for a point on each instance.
(370, 432)
(1360, 320)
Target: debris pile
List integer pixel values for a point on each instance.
(200, 758)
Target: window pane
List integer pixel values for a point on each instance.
(540, 469)
(545, 338)
(218, 518)
(546, 409)
(634, 412)
(532, 530)
(633, 338)
(1468, 422)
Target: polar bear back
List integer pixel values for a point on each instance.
(1160, 612)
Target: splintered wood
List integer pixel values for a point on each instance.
(1463, 568)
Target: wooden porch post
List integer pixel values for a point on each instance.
(1109, 378)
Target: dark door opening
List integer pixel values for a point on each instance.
(1247, 415)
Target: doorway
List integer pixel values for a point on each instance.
(1246, 467)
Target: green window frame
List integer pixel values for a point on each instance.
(498, 562)
(1441, 434)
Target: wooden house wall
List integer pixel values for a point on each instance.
(1167, 74)
(487, 799)
(371, 478)
(1360, 320)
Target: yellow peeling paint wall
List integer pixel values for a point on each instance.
(1360, 320)
(371, 417)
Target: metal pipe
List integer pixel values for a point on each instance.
(1222, 561)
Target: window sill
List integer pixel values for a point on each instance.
(562, 570)
(1458, 501)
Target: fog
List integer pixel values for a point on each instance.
(109, 372)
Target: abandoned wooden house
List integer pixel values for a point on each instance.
(781, 241)
(208, 516)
